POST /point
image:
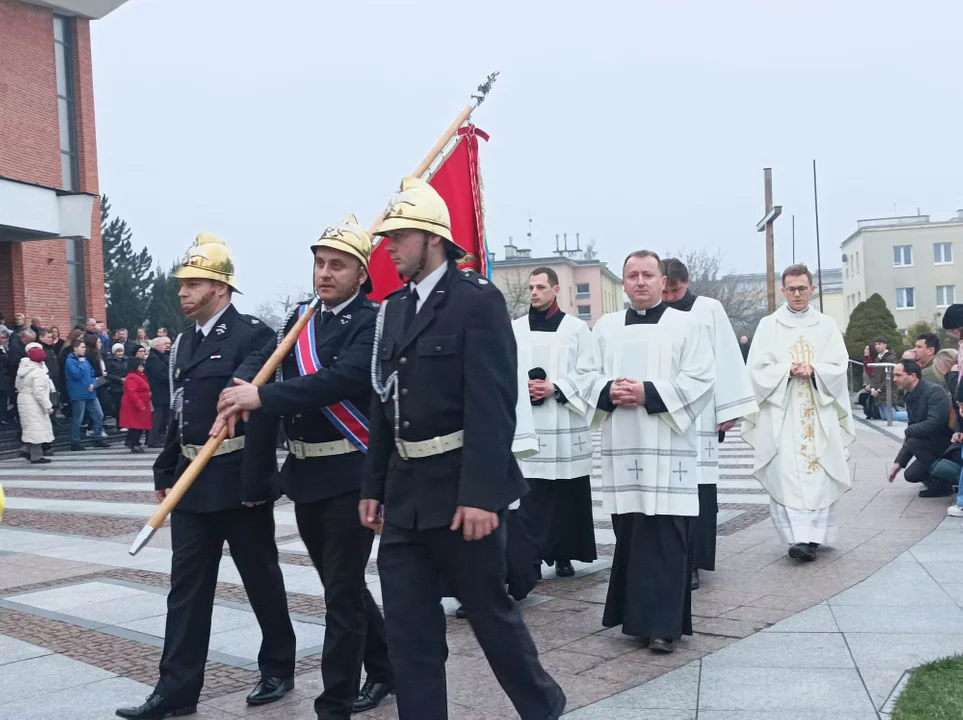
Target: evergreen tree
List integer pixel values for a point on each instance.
(164, 308)
(872, 319)
(127, 275)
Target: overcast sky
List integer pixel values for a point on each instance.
(639, 124)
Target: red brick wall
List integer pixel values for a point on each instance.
(33, 275)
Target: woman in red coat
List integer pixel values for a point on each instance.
(136, 411)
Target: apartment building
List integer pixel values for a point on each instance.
(908, 260)
(588, 288)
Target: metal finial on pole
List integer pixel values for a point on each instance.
(485, 88)
(819, 263)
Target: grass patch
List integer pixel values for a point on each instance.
(934, 692)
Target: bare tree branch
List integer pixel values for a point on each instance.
(514, 286)
(744, 303)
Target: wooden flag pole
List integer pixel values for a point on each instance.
(190, 474)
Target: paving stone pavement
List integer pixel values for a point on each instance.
(86, 619)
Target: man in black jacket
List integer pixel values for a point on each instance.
(440, 462)
(324, 394)
(928, 433)
(232, 498)
(157, 369)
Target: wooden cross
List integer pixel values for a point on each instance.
(772, 212)
(680, 472)
(636, 469)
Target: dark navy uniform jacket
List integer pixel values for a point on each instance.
(343, 346)
(227, 480)
(457, 370)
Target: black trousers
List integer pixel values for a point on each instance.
(133, 437)
(196, 541)
(155, 437)
(925, 454)
(559, 516)
(703, 529)
(413, 565)
(339, 547)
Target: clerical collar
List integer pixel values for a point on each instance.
(797, 312)
(544, 314)
(684, 303)
(338, 308)
(654, 310)
(209, 325)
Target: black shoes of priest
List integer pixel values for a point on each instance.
(156, 708)
(563, 568)
(661, 645)
(695, 582)
(804, 552)
(371, 696)
(270, 690)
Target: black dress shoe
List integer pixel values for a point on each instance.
(155, 708)
(76, 447)
(270, 690)
(563, 568)
(372, 695)
(661, 645)
(802, 552)
(695, 583)
(41, 461)
(936, 492)
(100, 444)
(460, 613)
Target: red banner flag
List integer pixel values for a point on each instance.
(458, 182)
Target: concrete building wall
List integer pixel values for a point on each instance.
(871, 267)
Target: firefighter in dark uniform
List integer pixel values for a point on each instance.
(232, 499)
(440, 465)
(324, 394)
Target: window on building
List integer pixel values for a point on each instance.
(745, 286)
(764, 304)
(905, 298)
(584, 312)
(945, 295)
(943, 253)
(857, 263)
(76, 284)
(63, 53)
(581, 291)
(902, 255)
(859, 296)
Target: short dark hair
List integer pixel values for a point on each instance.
(881, 340)
(547, 272)
(797, 269)
(675, 270)
(931, 339)
(77, 343)
(912, 368)
(644, 254)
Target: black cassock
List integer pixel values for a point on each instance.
(703, 528)
(649, 590)
(557, 514)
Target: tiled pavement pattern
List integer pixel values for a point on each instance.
(82, 620)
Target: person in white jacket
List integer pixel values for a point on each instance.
(33, 402)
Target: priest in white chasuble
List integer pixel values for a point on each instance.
(732, 398)
(558, 507)
(798, 364)
(652, 378)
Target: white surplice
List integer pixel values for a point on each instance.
(564, 442)
(803, 425)
(649, 462)
(732, 394)
(524, 442)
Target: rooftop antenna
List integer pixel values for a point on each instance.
(578, 247)
(557, 251)
(529, 231)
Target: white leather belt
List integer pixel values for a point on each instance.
(228, 446)
(302, 450)
(427, 448)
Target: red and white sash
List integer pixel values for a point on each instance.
(345, 416)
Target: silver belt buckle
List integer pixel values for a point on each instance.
(297, 449)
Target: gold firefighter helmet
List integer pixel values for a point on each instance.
(349, 237)
(418, 206)
(208, 259)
